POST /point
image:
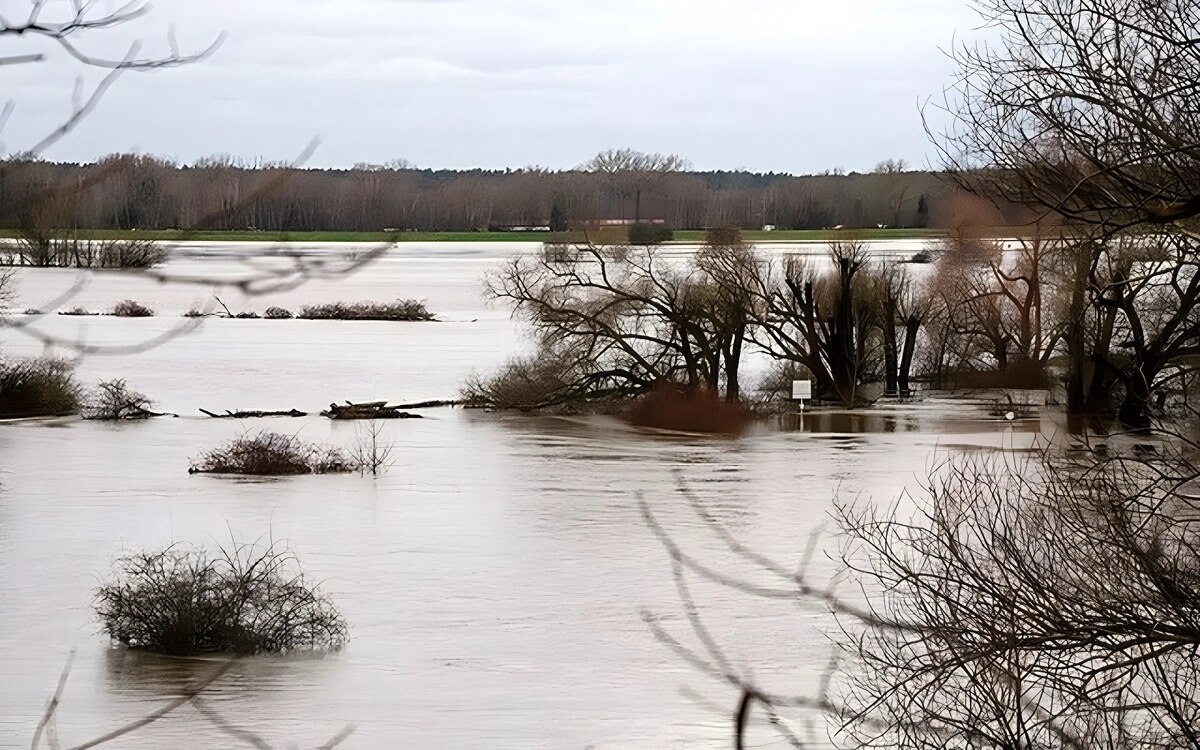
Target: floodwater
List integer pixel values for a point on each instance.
(495, 579)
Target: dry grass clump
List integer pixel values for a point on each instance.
(41, 387)
(277, 313)
(244, 599)
(400, 310)
(113, 400)
(131, 309)
(272, 454)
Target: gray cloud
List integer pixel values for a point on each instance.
(762, 84)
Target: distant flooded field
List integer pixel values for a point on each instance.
(495, 579)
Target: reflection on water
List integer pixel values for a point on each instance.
(494, 579)
(967, 420)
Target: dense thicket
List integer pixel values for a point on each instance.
(143, 192)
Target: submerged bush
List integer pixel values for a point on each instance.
(522, 383)
(246, 599)
(277, 313)
(131, 309)
(113, 399)
(668, 406)
(271, 454)
(42, 387)
(402, 310)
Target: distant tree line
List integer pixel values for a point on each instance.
(126, 191)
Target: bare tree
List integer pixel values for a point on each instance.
(615, 321)
(1084, 111)
(903, 307)
(371, 452)
(1040, 603)
(629, 172)
(891, 166)
(821, 316)
(617, 160)
(1014, 602)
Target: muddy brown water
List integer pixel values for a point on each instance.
(495, 578)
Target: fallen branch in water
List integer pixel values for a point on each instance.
(431, 404)
(254, 414)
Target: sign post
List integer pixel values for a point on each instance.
(801, 391)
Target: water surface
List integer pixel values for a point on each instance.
(495, 579)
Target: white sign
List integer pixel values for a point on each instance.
(802, 390)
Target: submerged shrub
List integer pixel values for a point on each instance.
(522, 383)
(271, 454)
(401, 310)
(669, 406)
(65, 249)
(113, 399)
(41, 387)
(245, 599)
(131, 309)
(277, 313)
(130, 254)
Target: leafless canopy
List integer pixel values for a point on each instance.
(1049, 601)
(1083, 108)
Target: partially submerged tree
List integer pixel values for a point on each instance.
(903, 307)
(114, 400)
(820, 315)
(999, 304)
(614, 321)
(1085, 113)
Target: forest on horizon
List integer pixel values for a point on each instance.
(128, 191)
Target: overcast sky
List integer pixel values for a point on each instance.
(768, 85)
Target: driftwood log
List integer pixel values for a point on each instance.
(431, 404)
(369, 410)
(254, 414)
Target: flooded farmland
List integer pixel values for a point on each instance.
(497, 579)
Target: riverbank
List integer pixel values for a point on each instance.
(688, 236)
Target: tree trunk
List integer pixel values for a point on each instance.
(1135, 408)
(911, 327)
(891, 357)
(1076, 359)
(733, 362)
